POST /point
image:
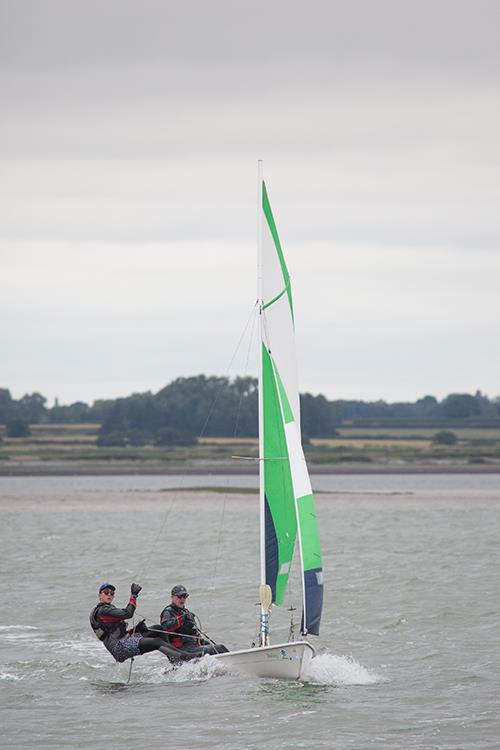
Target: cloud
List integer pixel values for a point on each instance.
(418, 35)
(128, 144)
(371, 321)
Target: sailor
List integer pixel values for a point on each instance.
(108, 623)
(180, 623)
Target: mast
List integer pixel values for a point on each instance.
(261, 394)
(265, 592)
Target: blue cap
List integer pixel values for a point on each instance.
(106, 586)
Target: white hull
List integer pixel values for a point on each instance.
(284, 661)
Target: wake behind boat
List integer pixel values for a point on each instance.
(287, 510)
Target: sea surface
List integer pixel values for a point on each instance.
(409, 651)
(320, 482)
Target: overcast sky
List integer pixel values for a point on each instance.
(129, 137)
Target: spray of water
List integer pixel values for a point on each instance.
(199, 670)
(329, 669)
(325, 668)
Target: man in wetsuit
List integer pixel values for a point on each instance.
(180, 623)
(108, 623)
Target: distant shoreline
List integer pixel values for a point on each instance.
(217, 470)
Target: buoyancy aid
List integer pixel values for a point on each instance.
(107, 628)
(179, 622)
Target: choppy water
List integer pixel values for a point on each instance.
(408, 655)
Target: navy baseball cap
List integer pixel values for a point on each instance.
(106, 586)
(179, 590)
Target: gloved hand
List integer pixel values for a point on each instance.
(189, 623)
(135, 588)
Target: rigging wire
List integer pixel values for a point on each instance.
(219, 536)
(228, 369)
(253, 317)
(245, 370)
(160, 532)
(201, 433)
(153, 546)
(146, 566)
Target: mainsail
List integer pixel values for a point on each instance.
(288, 511)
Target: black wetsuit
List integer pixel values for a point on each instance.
(108, 623)
(180, 623)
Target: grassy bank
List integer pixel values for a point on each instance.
(75, 446)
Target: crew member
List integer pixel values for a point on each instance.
(108, 623)
(180, 623)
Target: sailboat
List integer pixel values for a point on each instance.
(287, 512)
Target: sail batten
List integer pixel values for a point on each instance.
(289, 503)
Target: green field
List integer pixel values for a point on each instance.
(75, 446)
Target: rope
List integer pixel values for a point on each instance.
(185, 635)
(200, 631)
(219, 536)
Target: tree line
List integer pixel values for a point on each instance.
(220, 407)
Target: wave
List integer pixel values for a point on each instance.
(11, 634)
(329, 669)
(85, 656)
(199, 670)
(17, 627)
(9, 676)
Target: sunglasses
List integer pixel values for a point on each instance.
(182, 596)
(108, 592)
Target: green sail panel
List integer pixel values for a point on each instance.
(309, 534)
(280, 515)
(312, 564)
(288, 506)
(266, 207)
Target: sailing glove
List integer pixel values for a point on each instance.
(135, 588)
(189, 623)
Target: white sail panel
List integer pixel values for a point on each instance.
(278, 327)
(300, 475)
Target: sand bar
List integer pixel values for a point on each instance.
(152, 500)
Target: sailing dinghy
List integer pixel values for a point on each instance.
(287, 512)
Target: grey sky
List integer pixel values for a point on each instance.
(129, 135)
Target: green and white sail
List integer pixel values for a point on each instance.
(287, 503)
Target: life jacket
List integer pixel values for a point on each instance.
(107, 632)
(175, 636)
